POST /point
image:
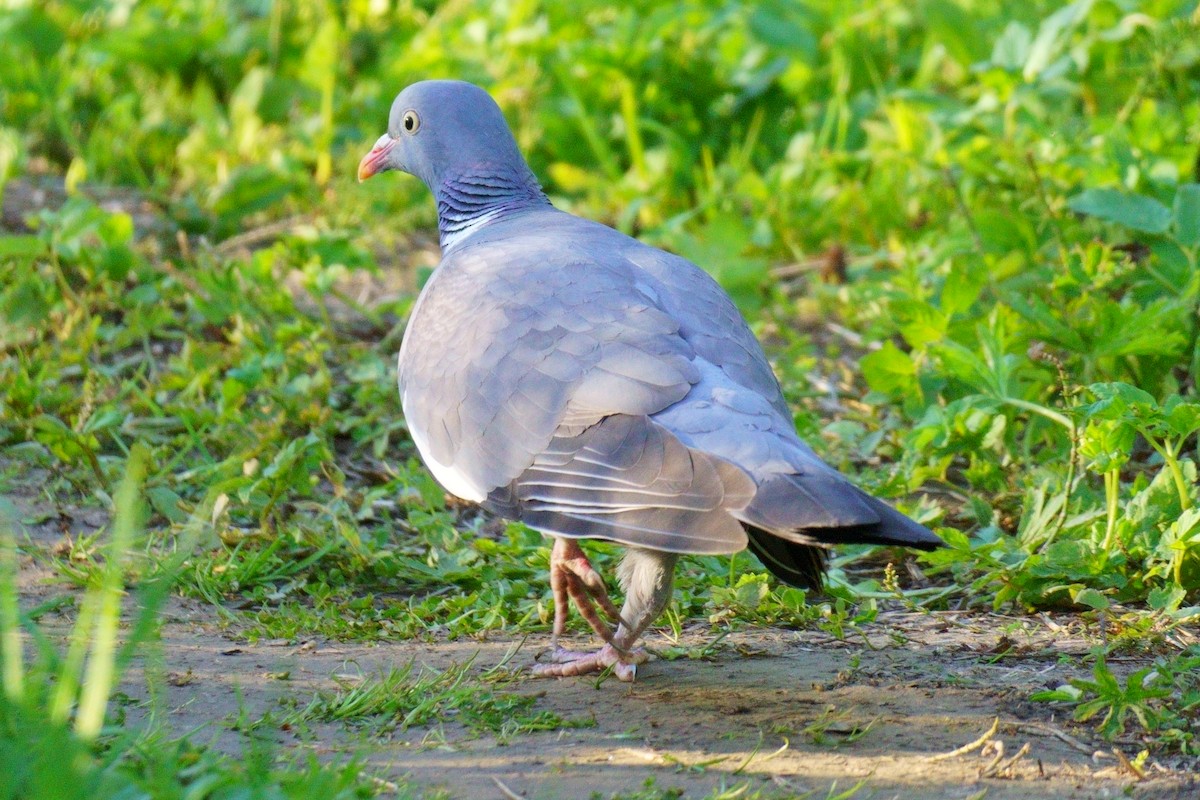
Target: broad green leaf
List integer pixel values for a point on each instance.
(1131, 210)
(921, 323)
(25, 303)
(1011, 49)
(720, 247)
(1053, 36)
(249, 189)
(1182, 417)
(1049, 321)
(890, 370)
(243, 102)
(1006, 232)
(1187, 214)
(1114, 399)
(1166, 598)
(950, 23)
(116, 229)
(10, 155)
(1127, 328)
(38, 32)
(21, 247)
(962, 288)
(1106, 444)
(167, 503)
(783, 25)
(1090, 598)
(989, 376)
(1063, 694)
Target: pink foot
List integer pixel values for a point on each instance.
(569, 663)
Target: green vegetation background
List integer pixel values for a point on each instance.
(968, 229)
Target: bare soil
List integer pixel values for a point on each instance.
(775, 707)
(779, 711)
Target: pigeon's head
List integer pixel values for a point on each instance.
(444, 129)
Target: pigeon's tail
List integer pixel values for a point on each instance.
(796, 564)
(892, 528)
(793, 518)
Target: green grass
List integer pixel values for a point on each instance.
(46, 760)
(400, 699)
(54, 740)
(968, 231)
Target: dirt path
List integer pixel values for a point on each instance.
(772, 709)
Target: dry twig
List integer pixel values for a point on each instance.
(975, 745)
(506, 792)
(1001, 766)
(257, 237)
(1050, 730)
(1124, 764)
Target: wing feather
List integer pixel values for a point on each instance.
(630, 480)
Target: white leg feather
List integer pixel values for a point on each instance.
(646, 576)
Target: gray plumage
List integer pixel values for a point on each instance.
(564, 374)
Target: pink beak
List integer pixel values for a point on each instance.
(373, 161)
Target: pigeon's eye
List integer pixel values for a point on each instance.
(411, 121)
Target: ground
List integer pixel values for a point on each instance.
(775, 707)
(780, 708)
(780, 712)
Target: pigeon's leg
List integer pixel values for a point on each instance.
(558, 589)
(573, 558)
(568, 565)
(646, 576)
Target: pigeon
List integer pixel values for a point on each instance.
(560, 373)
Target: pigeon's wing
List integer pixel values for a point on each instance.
(710, 322)
(629, 480)
(737, 412)
(514, 343)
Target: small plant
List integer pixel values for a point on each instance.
(1164, 700)
(832, 728)
(1108, 695)
(53, 736)
(1165, 428)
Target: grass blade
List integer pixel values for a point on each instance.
(11, 656)
(106, 599)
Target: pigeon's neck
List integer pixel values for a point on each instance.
(468, 200)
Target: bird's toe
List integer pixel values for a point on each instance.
(563, 663)
(561, 655)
